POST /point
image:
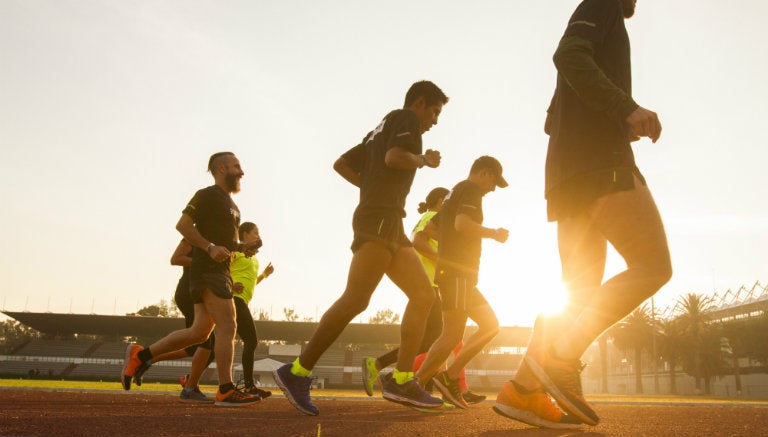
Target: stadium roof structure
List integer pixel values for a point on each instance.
(742, 303)
(290, 332)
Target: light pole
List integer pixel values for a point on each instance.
(653, 349)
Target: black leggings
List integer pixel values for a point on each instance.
(246, 329)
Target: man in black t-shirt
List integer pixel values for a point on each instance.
(461, 231)
(209, 223)
(383, 167)
(597, 195)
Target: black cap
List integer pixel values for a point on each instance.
(494, 166)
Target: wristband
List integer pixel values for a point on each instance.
(210, 246)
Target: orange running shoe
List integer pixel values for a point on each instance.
(234, 398)
(130, 365)
(535, 409)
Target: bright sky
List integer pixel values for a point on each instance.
(109, 111)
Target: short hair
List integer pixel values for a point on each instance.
(432, 198)
(245, 228)
(432, 94)
(215, 160)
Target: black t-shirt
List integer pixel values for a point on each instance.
(355, 157)
(383, 189)
(217, 218)
(587, 145)
(458, 253)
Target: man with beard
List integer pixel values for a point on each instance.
(597, 195)
(210, 224)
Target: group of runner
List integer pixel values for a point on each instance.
(594, 192)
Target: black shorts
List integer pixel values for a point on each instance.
(220, 285)
(457, 292)
(184, 300)
(385, 230)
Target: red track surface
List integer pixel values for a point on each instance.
(136, 414)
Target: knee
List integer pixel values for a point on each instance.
(199, 336)
(424, 299)
(226, 328)
(351, 304)
(659, 274)
(489, 330)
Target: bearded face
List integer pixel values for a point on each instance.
(233, 182)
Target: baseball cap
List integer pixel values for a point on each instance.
(494, 166)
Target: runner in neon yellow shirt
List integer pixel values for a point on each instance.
(244, 269)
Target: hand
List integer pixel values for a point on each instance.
(644, 123)
(501, 235)
(219, 253)
(432, 158)
(238, 287)
(268, 270)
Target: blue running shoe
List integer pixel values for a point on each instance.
(409, 394)
(194, 396)
(296, 389)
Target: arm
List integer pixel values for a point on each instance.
(181, 256)
(343, 168)
(421, 242)
(186, 227)
(268, 270)
(401, 159)
(464, 224)
(575, 61)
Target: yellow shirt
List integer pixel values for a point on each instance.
(244, 270)
(429, 265)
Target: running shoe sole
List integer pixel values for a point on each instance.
(408, 402)
(366, 376)
(559, 396)
(529, 418)
(289, 396)
(224, 403)
(429, 410)
(233, 404)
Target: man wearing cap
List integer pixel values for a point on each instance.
(461, 230)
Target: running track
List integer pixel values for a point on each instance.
(119, 414)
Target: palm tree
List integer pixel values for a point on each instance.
(670, 348)
(635, 333)
(693, 323)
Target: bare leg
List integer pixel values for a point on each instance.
(222, 311)
(197, 333)
(365, 272)
(199, 364)
(487, 328)
(407, 272)
(175, 355)
(454, 323)
(630, 221)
